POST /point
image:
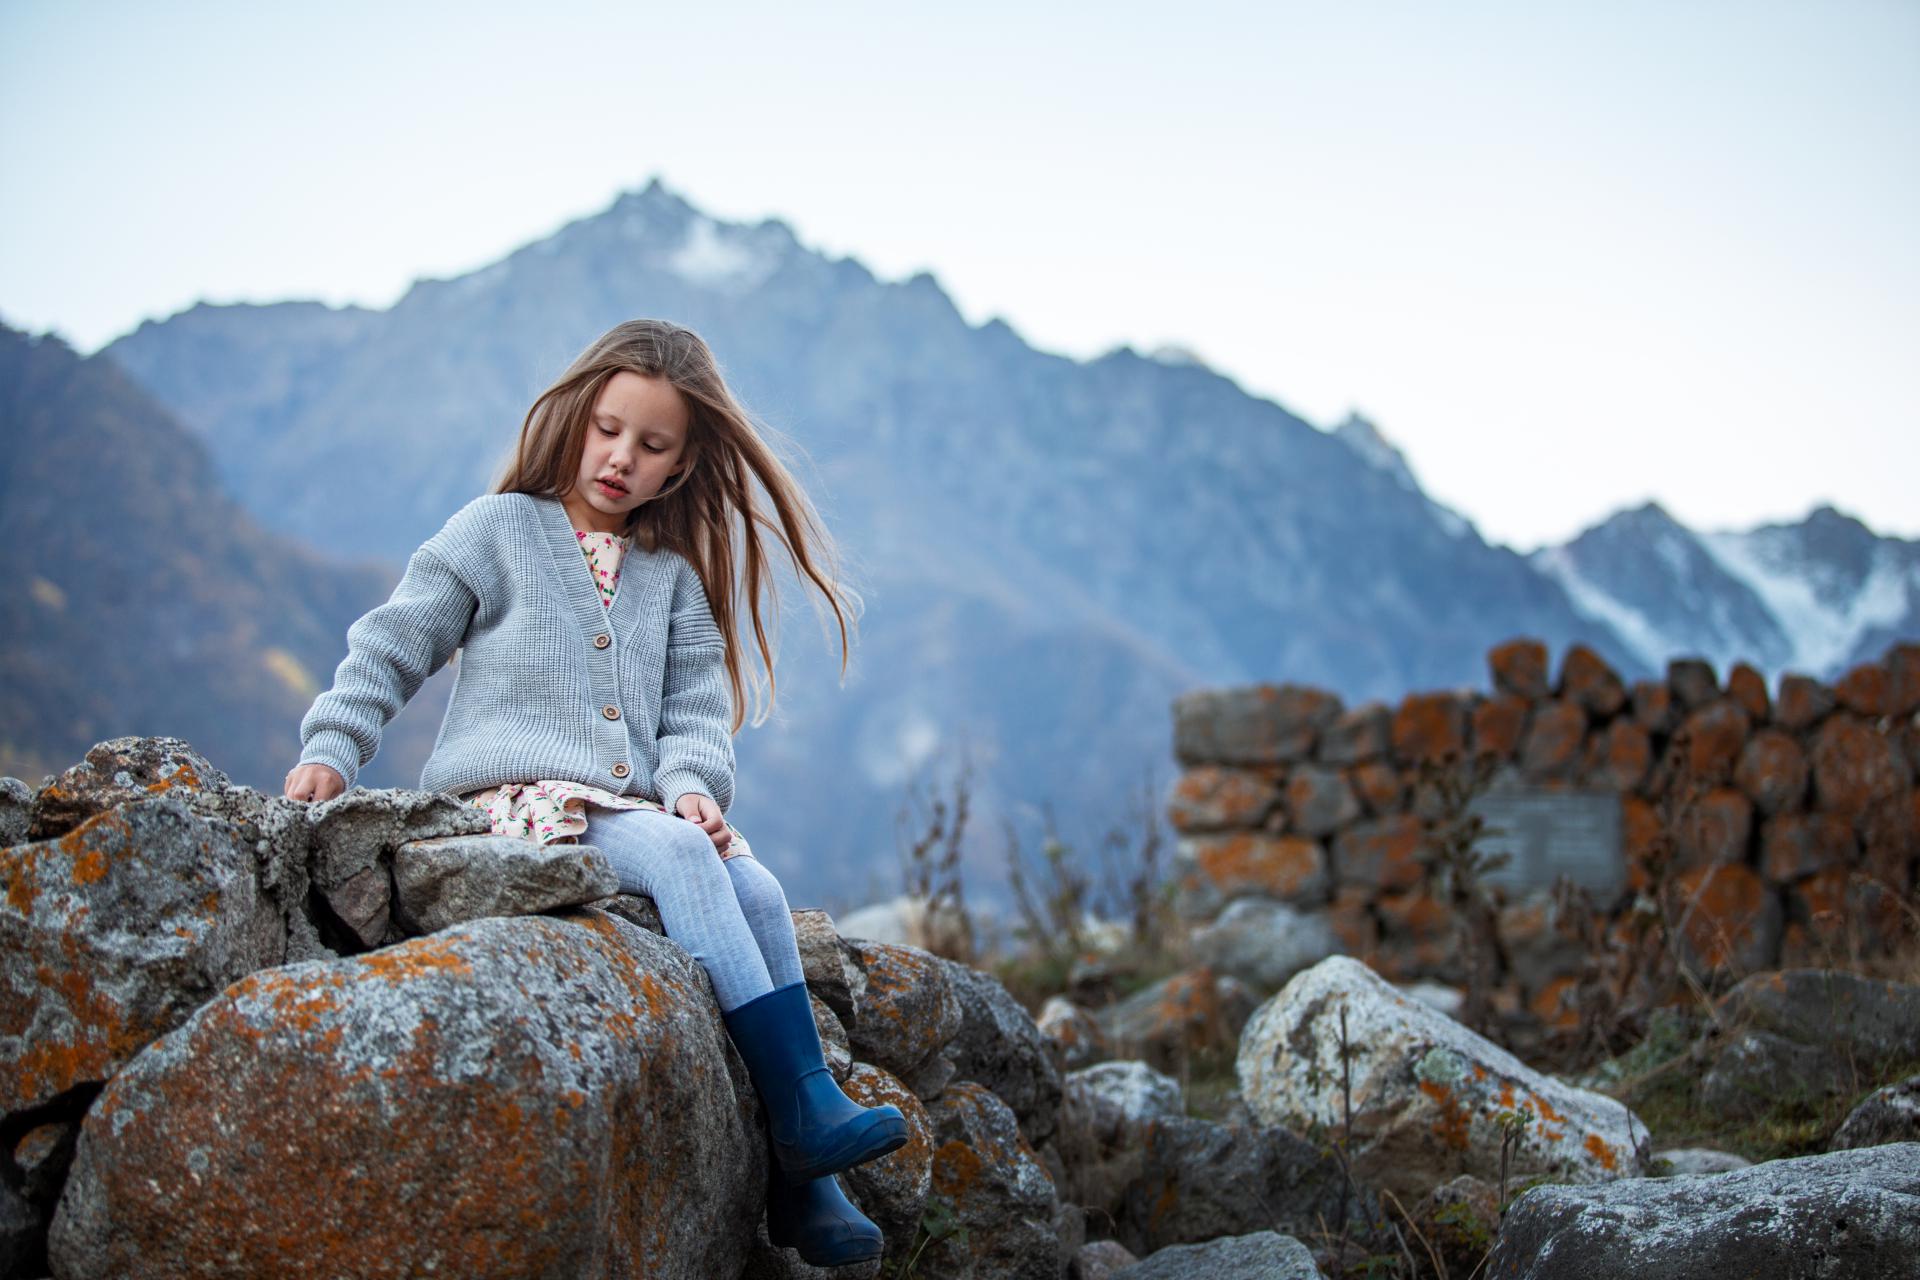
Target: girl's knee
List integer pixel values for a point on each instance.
(754, 885)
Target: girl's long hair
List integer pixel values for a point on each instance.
(713, 493)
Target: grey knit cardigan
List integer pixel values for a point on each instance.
(551, 683)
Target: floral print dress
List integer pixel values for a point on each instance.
(553, 810)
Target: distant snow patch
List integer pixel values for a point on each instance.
(1823, 631)
(708, 257)
(1672, 549)
(1590, 601)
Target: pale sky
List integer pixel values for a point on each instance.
(1568, 256)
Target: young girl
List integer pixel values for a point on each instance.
(592, 598)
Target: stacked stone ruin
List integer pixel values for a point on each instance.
(1781, 827)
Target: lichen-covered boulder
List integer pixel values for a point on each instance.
(1000, 1046)
(1850, 1213)
(1427, 1094)
(906, 1013)
(116, 772)
(113, 934)
(893, 1189)
(537, 1095)
(992, 1200)
(449, 880)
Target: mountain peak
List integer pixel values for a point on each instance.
(1364, 438)
(655, 195)
(1648, 516)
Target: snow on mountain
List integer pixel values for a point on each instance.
(725, 259)
(1817, 596)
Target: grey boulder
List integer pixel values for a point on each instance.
(1852, 1214)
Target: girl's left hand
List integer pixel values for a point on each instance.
(698, 809)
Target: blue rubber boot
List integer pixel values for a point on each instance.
(816, 1129)
(817, 1219)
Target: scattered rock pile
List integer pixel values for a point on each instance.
(246, 1037)
(249, 1037)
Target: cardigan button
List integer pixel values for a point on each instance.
(610, 711)
(620, 770)
(602, 640)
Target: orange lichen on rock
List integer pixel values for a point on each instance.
(182, 776)
(1641, 837)
(1451, 1127)
(1213, 796)
(416, 959)
(1498, 724)
(17, 866)
(1727, 905)
(1279, 865)
(955, 1168)
(102, 1038)
(89, 866)
(1547, 1114)
(1601, 1151)
(1428, 726)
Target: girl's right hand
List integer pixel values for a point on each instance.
(314, 782)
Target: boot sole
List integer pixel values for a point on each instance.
(881, 1135)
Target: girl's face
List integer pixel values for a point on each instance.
(635, 438)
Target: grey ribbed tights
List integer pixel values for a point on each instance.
(730, 914)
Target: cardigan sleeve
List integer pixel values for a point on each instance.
(696, 709)
(391, 651)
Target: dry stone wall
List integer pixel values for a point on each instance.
(1780, 825)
